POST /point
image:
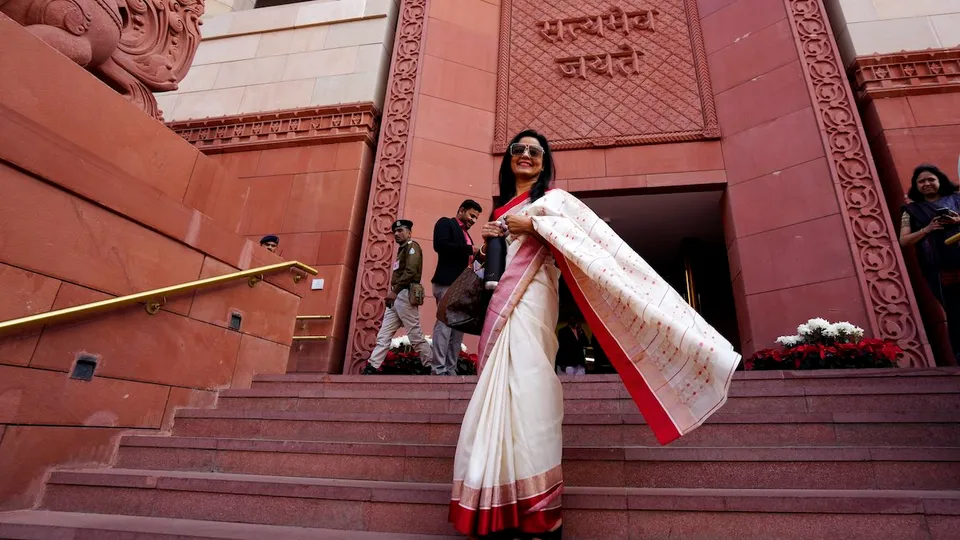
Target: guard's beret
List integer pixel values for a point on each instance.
(402, 223)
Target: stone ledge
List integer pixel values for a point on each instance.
(44, 523)
(281, 129)
(686, 499)
(616, 452)
(933, 71)
(288, 16)
(864, 388)
(850, 374)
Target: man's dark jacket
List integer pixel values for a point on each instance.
(452, 249)
(571, 348)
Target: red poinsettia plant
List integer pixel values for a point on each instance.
(820, 344)
(403, 359)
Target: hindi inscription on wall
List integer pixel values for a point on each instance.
(603, 73)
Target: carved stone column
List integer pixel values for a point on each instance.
(891, 305)
(389, 182)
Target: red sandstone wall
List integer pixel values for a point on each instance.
(314, 198)
(904, 132)
(91, 208)
(453, 125)
(454, 131)
(789, 255)
(790, 252)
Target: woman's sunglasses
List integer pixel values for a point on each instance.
(519, 149)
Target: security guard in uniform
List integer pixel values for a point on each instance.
(400, 311)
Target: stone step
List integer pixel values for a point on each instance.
(589, 513)
(45, 525)
(599, 466)
(722, 429)
(867, 398)
(900, 379)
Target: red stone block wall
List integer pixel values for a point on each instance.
(451, 157)
(314, 198)
(91, 208)
(905, 131)
(794, 252)
(789, 253)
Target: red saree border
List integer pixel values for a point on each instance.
(524, 488)
(499, 212)
(523, 515)
(523, 197)
(650, 407)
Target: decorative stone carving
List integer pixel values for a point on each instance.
(890, 302)
(590, 75)
(906, 74)
(617, 20)
(285, 128)
(136, 46)
(626, 61)
(386, 191)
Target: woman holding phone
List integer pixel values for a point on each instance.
(508, 479)
(932, 216)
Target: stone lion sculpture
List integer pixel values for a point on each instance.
(136, 46)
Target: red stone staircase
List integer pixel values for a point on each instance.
(796, 455)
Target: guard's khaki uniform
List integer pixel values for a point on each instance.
(406, 271)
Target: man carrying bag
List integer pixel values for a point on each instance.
(455, 252)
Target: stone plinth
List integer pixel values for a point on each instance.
(93, 205)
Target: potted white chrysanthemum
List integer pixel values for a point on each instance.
(820, 344)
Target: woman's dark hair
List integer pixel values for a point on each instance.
(946, 186)
(508, 181)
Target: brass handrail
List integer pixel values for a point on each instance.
(302, 319)
(154, 299)
(310, 338)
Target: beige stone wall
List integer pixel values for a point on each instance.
(213, 8)
(299, 55)
(867, 27)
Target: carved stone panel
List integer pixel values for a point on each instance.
(595, 73)
(907, 73)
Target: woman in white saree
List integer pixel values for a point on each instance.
(507, 474)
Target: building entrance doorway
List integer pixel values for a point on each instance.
(681, 236)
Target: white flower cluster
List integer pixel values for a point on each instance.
(398, 342)
(819, 330)
(404, 341)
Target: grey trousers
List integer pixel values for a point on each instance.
(446, 342)
(407, 316)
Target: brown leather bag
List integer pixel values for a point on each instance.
(464, 305)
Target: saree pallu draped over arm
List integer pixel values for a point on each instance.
(676, 367)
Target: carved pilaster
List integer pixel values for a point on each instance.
(890, 301)
(389, 182)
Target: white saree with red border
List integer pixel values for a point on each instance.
(676, 367)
